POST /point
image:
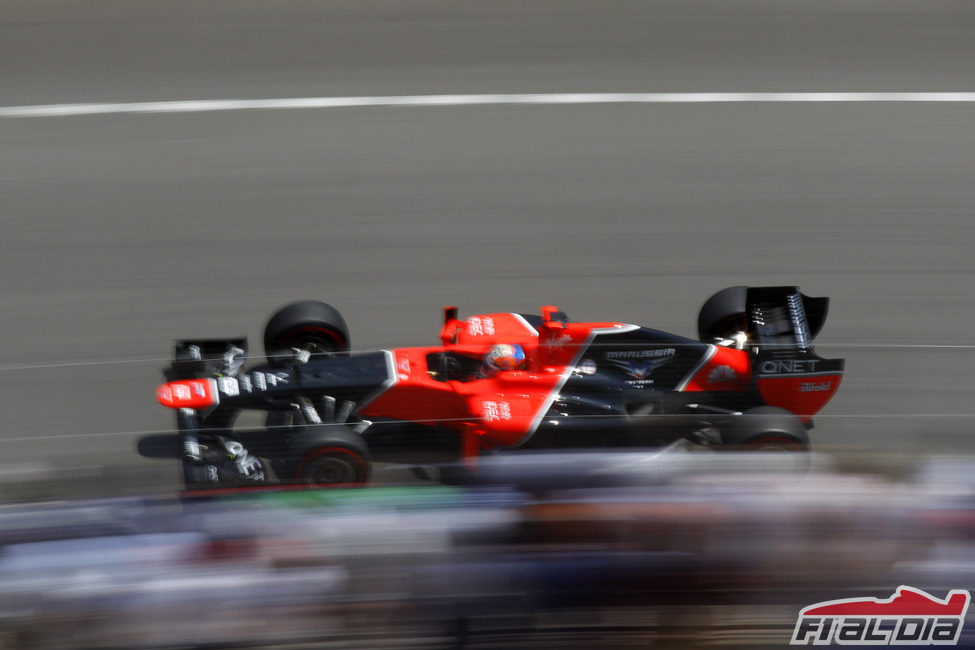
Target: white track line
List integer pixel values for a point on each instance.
(206, 105)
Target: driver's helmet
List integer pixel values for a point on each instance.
(504, 356)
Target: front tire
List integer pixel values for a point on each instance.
(309, 325)
(333, 467)
(330, 456)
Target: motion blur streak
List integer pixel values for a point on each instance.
(715, 549)
(197, 106)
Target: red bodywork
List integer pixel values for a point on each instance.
(503, 410)
(188, 393)
(494, 411)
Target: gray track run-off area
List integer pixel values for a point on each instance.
(122, 232)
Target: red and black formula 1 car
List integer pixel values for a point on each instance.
(751, 381)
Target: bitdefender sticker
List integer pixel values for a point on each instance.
(909, 617)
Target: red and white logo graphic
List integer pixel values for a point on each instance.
(909, 617)
(494, 411)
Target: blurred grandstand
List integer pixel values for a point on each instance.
(568, 550)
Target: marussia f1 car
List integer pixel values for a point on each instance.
(750, 381)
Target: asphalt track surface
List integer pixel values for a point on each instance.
(123, 231)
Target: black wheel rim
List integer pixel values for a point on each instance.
(315, 345)
(331, 470)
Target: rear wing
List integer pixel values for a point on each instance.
(783, 318)
(782, 323)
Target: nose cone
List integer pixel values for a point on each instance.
(164, 395)
(188, 393)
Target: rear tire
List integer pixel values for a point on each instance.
(309, 325)
(765, 428)
(723, 314)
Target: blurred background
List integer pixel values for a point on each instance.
(120, 232)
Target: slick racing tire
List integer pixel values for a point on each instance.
(309, 325)
(331, 456)
(765, 428)
(723, 314)
(333, 467)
